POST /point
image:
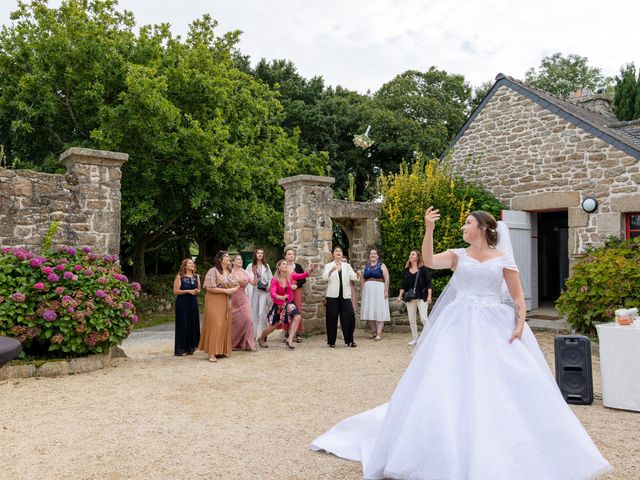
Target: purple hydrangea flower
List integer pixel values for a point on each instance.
(101, 293)
(68, 275)
(20, 254)
(47, 270)
(39, 286)
(49, 315)
(94, 256)
(18, 297)
(88, 272)
(127, 305)
(115, 291)
(134, 319)
(74, 278)
(52, 277)
(37, 261)
(67, 298)
(59, 290)
(78, 268)
(60, 267)
(86, 250)
(70, 250)
(7, 250)
(136, 286)
(102, 280)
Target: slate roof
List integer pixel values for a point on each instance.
(624, 136)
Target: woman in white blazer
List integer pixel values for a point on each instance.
(339, 275)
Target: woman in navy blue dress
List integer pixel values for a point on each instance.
(186, 287)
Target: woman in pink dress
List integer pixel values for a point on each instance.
(241, 315)
(284, 310)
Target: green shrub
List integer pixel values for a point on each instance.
(67, 302)
(406, 196)
(603, 280)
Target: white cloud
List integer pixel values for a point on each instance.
(362, 44)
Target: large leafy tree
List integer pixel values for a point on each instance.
(58, 67)
(626, 100)
(414, 111)
(563, 75)
(204, 138)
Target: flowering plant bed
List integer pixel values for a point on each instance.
(65, 302)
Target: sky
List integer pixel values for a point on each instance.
(361, 45)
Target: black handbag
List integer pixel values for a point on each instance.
(262, 285)
(413, 293)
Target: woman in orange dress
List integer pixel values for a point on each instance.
(215, 338)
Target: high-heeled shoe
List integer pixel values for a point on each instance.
(289, 347)
(262, 343)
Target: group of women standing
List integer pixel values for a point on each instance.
(240, 304)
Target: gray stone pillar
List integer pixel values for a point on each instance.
(98, 175)
(309, 231)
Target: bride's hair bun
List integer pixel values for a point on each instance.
(485, 219)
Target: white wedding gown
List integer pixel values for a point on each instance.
(470, 404)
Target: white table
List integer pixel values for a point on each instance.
(620, 365)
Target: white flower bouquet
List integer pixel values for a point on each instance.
(362, 140)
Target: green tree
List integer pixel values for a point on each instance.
(626, 98)
(204, 138)
(562, 75)
(479, 93)
(326, 118)
(58, 67)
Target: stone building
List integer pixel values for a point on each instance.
(310, 212)
(568, 170)
(86, 202)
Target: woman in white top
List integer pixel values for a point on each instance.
(339, 274)
(259, 294)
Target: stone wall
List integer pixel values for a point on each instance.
(310, 212)
(86, 201)
(535, 160)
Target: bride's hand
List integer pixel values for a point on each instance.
(431, 216)
(517, 334)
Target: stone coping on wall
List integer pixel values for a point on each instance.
(306, 180)
(94, 157)
(56, 368)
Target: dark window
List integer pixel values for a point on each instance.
(632, 229)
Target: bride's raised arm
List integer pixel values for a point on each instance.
(438, 261)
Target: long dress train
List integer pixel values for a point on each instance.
(470, 404)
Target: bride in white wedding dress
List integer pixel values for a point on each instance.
(477, 400)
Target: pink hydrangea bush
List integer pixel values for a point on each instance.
(69, 301)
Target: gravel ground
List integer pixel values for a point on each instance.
(250, 416)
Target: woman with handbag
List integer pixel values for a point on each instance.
(416, 292)
(374, 285)
(283, 311)
(259, 294)
(339, 275)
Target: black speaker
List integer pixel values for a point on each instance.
(573, 368)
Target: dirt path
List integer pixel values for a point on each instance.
(251, 416)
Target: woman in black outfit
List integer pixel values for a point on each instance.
(186, 287)
(416, 276)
